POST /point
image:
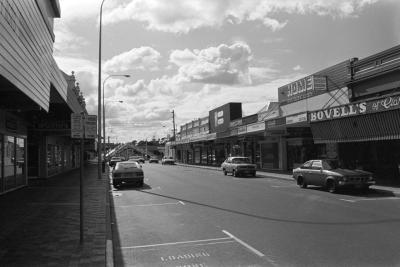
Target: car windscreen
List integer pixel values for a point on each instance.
(241, 160)
(127, 165)
(330, 164)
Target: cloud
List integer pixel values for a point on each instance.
(297, 68)
(217, 65)
(142, 58)
(182, 16)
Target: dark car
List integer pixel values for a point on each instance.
(114, 160)
(238, 166)
(327, 173)
(127, 172)
(153, 160)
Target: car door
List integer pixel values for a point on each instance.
(229, 165)
(305, 171)
(316, 174)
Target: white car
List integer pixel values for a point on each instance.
(168, 160)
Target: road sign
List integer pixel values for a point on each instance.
(76, 125)
(91, 126)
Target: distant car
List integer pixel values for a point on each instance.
(127, 172)
(238, 166)
(136, 158)
(168, 160)
(327, 173)
(114, 160)
(153, 160)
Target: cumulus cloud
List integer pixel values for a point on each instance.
(181, 16)
(142, 58)
(217, 65)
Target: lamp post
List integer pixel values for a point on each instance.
(104, 120)
(104, 127)
(99, 162)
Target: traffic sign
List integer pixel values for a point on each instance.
(76, 125)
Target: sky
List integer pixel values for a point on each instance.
(192, 56)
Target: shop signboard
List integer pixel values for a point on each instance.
(302, 117)
(301, 89)
(250, 119)
(90, 124)
(233, 132)
(357, 108)
(255, 127)
(235, 123)
(220, 118)
(76, 125)
(242, 129)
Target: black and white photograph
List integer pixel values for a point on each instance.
(199, 133)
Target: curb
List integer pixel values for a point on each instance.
(109, 238)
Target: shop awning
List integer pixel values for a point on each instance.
(369, 127)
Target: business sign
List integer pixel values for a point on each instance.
(296, 118)
(259, 126)
(301, 89)
(242, 129)
(235, 123)
(90, 123)
(76, 125)
(372, 106)
(250, 119)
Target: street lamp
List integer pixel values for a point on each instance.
(99, 162)
(104, 113)
(104, 126)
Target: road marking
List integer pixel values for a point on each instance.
(255, 251)
(183, 203)
(177, 243)
(282, 186)
(152, 204)
(370, 199)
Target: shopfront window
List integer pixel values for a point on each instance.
(20, 161)
(270, 155)
(9, 160)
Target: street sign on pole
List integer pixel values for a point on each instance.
(90, 126)
(76, 125)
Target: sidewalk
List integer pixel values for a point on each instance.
(40, 223)
(393, 188)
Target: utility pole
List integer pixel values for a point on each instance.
(173, 122)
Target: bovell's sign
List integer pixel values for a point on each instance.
(372, 106)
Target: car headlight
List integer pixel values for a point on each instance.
(371, 178)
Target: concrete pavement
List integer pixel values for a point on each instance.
(40, 223)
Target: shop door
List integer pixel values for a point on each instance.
(33, 160)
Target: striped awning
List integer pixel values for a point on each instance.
(369, 127)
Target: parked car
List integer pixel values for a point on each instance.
(329, 174)
(153, 160)
(136, 158)
(127, 172)
(238, 166)
(168, 160)
(114, 160)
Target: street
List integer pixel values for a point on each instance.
(186, 216)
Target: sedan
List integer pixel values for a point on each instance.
(238, 166)
(114, 160)
(127, 172)
(153, 160)
(167, 160)
(136, 158)
(327, 173)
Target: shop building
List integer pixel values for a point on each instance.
(32, 91)
(288, 138)
(366, 131)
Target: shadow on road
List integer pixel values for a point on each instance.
(370, 193)
(274, 219)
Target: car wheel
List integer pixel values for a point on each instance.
(331, 186)
(301, 182)
(225, 173)
(234, 173)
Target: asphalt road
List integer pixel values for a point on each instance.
(187, 216)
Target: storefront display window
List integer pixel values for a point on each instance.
(20, 161)
(270, 156)
(197, 152)
(9, 160)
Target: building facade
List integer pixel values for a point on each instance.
(349, 112)
(35, 97)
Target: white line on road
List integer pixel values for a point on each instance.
(370, 199)
(177, 243)
(255, 251)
